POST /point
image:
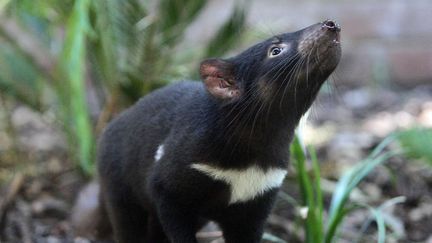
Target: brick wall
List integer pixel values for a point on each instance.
(383, 40)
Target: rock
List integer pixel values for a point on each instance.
(85, 207)
(425, 116)
(52, 239)
(372, 191)
(81, 240)
(357, 98)
(47, 206)
(347, 147)
(422, 211)
(34, 133)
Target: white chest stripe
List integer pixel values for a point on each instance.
(245, 184)
(159, 153)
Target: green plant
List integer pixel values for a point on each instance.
(316, 227)
(56, 55)
(417, 143)
(272, 238)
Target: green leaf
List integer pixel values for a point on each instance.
(118, 44)
(286, 197)
(349, 181)
(228, 34)
(417, 143)
(318, 195)
(272, 238)
(174, 16)
(313, 225)
(380, 223)
(119, 48)
(72, 67)
(19, 78)
(378, 215)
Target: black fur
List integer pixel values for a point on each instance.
(246, 117)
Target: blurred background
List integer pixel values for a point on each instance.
(68, 67)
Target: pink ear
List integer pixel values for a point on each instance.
(218, 77)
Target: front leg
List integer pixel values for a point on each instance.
(178, 223)
(244, 222)
(155, 232)
(247, 231)
(178, 220)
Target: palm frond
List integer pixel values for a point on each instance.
(19, 78)
(228, 34)
(417, 142)
(119, 48)
(72, 66)
(174, 16)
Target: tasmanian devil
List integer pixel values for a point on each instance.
(216, 150)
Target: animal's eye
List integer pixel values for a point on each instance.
(274, 51)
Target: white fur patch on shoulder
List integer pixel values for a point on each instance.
(245, 184)
(159, 152)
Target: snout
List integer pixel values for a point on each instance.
(321, 37)
(322, 42)
(331, 25)
(332, 29)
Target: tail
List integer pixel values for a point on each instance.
(89, 216)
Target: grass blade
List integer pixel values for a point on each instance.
(175, 16)
(380, 224)
(313, 226)
(318, 194)
(286, 197)
(74, 96)
(349, 181)
(228, 34)
(417, 142)
(272, 238)
(378, 215)
(19, 78)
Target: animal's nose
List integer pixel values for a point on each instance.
(331, 25)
